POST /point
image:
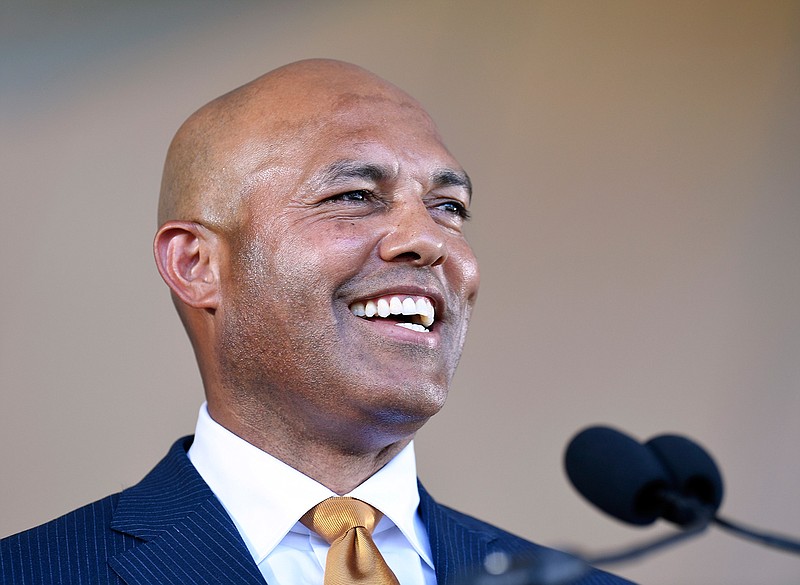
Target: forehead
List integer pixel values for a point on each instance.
(368, 138)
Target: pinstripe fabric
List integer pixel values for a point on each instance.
(460, 543)
(71, 549)
(168, 529)
(171, 529)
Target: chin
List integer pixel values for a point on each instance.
(412, 404)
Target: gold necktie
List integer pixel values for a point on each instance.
(347, 524)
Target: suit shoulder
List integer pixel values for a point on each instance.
(70, 549)
(452, 520)
(525, 552)
(468, 541)
(76, 547)
(477, 525)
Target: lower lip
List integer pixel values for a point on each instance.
(390, 329)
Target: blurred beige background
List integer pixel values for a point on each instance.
(637, 216)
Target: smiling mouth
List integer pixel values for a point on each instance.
(411, 312)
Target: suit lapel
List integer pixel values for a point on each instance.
(187, 535)
(201, 548)
(457, 551)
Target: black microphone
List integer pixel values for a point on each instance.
(669, 477)
(694, 476)
(630, 482)
(625, 479)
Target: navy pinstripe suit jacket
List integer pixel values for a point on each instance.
(171, 529)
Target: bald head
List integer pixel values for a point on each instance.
(227, 144)
(288, 207)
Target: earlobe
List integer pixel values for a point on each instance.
(187, 257)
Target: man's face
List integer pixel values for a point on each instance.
(351, 216)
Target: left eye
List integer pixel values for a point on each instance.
(455, 208)
(360, 195)
(357, 196)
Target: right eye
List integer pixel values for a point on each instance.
(357, 196)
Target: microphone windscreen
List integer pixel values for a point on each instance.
(617, 474)
(694, 472)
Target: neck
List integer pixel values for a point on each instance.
(339, 461)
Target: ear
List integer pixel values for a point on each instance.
(188, 258)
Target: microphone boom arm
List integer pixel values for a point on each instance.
(624, 556)
(772, 540)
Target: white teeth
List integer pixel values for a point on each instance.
(383, 308)
(398, 305)
(422, 306)
(426, 312)
(413, 327)
(395, 306)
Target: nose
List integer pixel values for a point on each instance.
(414, 237)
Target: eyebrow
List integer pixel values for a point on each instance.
(451, 178)
(343, 170)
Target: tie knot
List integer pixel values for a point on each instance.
(334, 517)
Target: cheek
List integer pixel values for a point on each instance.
(327, 254)
(463, 270)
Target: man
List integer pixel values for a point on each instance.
(311, 236)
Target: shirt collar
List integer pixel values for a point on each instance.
(394, 491)
(265, 497)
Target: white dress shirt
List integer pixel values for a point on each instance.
(266, 498)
